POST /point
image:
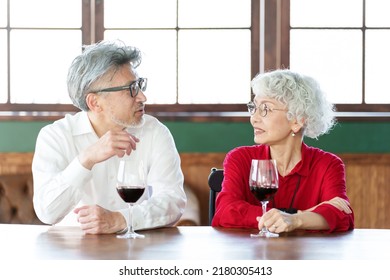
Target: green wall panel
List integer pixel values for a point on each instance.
(210, 137)
(351, 137)
(347, 137)
(19, 136)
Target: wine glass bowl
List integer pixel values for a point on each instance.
(130, 194)
(130, 187)
(264, 183)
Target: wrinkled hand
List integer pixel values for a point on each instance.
(278, 221)
(113, 143)
(338, 202)
(94, 219)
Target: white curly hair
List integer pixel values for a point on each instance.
(303, 97)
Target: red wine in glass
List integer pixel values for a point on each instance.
(263, 193)
(263, 183)
(130, 194)
(130, 187)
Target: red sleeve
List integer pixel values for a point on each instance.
(335, 186)
(337, 220)
(235, 205)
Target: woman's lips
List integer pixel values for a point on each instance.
(258, 131)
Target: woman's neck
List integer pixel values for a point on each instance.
(286, 158)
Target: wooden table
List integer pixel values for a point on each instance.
(187, 243)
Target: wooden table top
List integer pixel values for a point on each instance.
(187, 243)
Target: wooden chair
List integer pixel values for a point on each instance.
(215, 183)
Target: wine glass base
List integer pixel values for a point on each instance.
(130, 235)
(266, 234)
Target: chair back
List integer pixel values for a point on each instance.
(215, 183)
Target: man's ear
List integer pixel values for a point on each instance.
(92, 101)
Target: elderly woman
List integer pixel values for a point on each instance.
(312, 190)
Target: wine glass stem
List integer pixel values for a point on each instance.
(131, 218)
(264, 207)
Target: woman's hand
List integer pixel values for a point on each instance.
(278, 221)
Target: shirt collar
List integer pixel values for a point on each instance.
(83, 124)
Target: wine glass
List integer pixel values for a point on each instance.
(130, 186)
(263, 183)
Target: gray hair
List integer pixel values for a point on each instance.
(302, 95)
(96, 61)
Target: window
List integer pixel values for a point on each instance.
(38, 48)
(190, 52)
(344, 44)
(198, 57)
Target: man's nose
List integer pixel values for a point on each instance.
(141, 97)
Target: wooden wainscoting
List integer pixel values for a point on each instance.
(368, 188)
(15, 163)
(368, 181)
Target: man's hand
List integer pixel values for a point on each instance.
(94, 219)
(113, 143)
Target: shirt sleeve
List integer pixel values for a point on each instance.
(335, 186)
(235, 204)
(57, 178)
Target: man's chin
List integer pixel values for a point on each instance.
(139, 122)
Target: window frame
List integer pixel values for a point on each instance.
(92, 31)
(345, 112)
(270, 28)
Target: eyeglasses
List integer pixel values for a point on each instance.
(134, 87)
(263, 109)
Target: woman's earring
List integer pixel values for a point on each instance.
(293, 132)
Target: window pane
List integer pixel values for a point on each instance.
(214, 66)
(45, 13)
(333, 57)
(3, 67)
(3, 13)
(377, 66)
(206, 13)
(38, 71)
(326, 13)
(158, 62)
(140, 14)
(377, 13)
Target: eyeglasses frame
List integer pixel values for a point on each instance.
(252, 106)
(137, 82)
